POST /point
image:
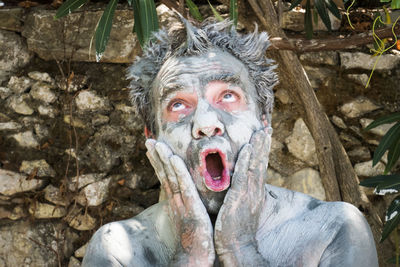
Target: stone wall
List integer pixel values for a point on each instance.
(72, 153)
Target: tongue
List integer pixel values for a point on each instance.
(214, 165)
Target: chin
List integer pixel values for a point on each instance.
(213, 201)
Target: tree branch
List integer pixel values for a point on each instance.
(336, 43)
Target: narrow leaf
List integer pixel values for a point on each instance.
(104, 28)
(294, 4)
(395, 4)
(233, 11)
(392, 218)
(130, 2)
(68, 7)
(391, 184)
(385, 1)
(387, 140)
(137, 27)
(194, 10)
(383, 120)
(215, 12)
(374, 181)
(393, 156)
(308, 20)
(333, 8)
(323, 13)
(148, 19)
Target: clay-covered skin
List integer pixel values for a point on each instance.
(205, 103)
(210, 153)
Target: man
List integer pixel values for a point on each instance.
(206, 102)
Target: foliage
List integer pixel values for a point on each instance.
(321, 7)
(387, 183)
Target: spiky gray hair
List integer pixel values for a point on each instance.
(248, 48)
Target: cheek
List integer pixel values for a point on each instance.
(242, 128)
(178, 137)
(232, 107)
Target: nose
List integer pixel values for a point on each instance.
(206, 122)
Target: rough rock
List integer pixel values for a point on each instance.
(26, 139)
(74, 122)
(85, 179)
(294, 20)
(42, 91)
(323, 57)
(94, 194)
(349, 140)
(4, 92)
(12, 183)
(19, 84)
(366, 169)
(354, 60)
(46, 211)
(381, 130)
(338, 122)
(11, 19)
(40, 167)
(80, 252)
(82, 222)
(53, 195)
(74, 262)
(360, 153)
(358, 107)
(283, 96)
(24, 243)
(19, 104)
(318, 75)
(126, 210)
(307, 181)
(14, 53)
(99, 119)
(9, 126)
(274, 178)
(361, 79)
(90, 101)
(16, 213)
(41, 76)
(41, 131)
(74, 84)
(301, 144)
(41, 28)
(47, 111)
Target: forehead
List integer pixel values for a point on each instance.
(196, 71)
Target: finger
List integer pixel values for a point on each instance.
(186, 184)
(239, 178)
(165, 153)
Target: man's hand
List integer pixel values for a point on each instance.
(237, 221)
(186, 209)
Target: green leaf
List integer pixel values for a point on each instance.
(374, 181)
(104, 28)
(392, 218)
(391, 184)
(308, 20)
(333, 9)
(323, 13)
(294, 4)
(215, 12)
(68, 7)
(194, 10)
(389, 139)
(385, 1)
(148, 19)
(130, 2)
(137, 27)
(395, 4)
(393, 156)
(233, 11)
(383, 120)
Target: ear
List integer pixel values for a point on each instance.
(264, 120)
(148, 133)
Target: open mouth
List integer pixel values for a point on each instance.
(215, 171)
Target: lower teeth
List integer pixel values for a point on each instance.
(216, 178)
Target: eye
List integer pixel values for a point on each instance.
(177, 106)
(229, 97)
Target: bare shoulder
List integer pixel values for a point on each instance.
(324, 233)
(134, 242)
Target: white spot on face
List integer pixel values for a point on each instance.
(211, 55)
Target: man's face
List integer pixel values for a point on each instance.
(205, 111)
